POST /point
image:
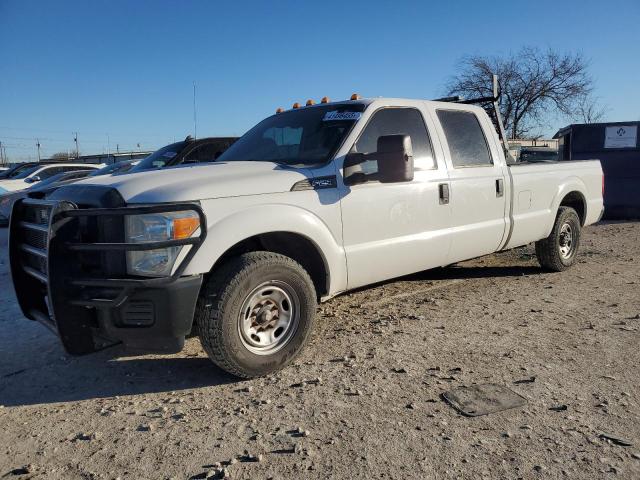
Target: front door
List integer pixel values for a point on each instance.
(392, 229)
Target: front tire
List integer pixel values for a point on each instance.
(558, 251)
(256, 313)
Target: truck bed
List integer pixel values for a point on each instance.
(537, 189)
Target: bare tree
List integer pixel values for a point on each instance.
(589, 110)
(63, 156)
(534, 85)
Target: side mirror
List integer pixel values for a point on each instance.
(395, 158)
(32, 179)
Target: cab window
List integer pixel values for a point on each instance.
(467, 143)
(393, 121)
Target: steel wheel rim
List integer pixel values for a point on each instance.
(269, 317)
(566, 241)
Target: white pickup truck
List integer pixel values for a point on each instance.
(309, 203)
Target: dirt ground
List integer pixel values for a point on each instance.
(364, 400)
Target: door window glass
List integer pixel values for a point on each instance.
(49, 172)
(397, 121)
(467, 143)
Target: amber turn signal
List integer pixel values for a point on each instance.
(184, 227)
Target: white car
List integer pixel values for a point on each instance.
(41, 172)
(309, 203)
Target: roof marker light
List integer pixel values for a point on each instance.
(279, 110)
(296, 105)
(355, 96)
(325, 100)
(310, 102)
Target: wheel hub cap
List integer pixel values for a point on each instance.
(566, 240)
(269, 317)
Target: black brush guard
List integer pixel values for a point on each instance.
(69, 271)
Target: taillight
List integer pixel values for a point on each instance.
(603, 185)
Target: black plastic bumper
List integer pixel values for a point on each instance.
(153, 319)
(69, 272)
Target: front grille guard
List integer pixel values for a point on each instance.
(61, 212)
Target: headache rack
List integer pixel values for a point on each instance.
(67, 262)
(492, 105)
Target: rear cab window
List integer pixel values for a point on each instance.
(467, 143)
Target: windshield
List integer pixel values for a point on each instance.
(160, 158)
(25, 172)
(120, 167)
(17, 170)
(305, 136)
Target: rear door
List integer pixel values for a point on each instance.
(477, 184)
(392, 229)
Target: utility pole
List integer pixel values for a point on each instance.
(1, 155)
(38, 145)
(75, 139)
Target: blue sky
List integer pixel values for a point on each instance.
(122, 71)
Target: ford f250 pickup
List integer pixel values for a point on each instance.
(309, 203)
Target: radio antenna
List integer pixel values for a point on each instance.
(195, 123)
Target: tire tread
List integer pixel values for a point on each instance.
(547, 248)
(210, 310)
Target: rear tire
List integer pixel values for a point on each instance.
(558, 251)
(256, 313)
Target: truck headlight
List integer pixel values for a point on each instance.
(157, 227)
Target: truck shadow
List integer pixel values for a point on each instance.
(103, 375)
(457, 272)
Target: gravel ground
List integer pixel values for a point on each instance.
(364, 400)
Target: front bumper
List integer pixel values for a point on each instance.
(69, 272)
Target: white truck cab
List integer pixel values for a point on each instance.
(309, 203)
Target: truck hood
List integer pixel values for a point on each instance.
(202, 181)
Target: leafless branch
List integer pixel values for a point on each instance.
(534, 85)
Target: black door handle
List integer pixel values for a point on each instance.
(443, 193)
(499, 187)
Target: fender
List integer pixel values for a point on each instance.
(223, 233)
(570, 184)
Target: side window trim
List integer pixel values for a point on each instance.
(484, 137)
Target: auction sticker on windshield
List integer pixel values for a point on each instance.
(336, 115)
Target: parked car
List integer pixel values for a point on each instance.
(19, 168)
(40, 189)
(307, 204)
(538, 154)
(8, 199)
(37, 173)
(3, 169)
(189, 151)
